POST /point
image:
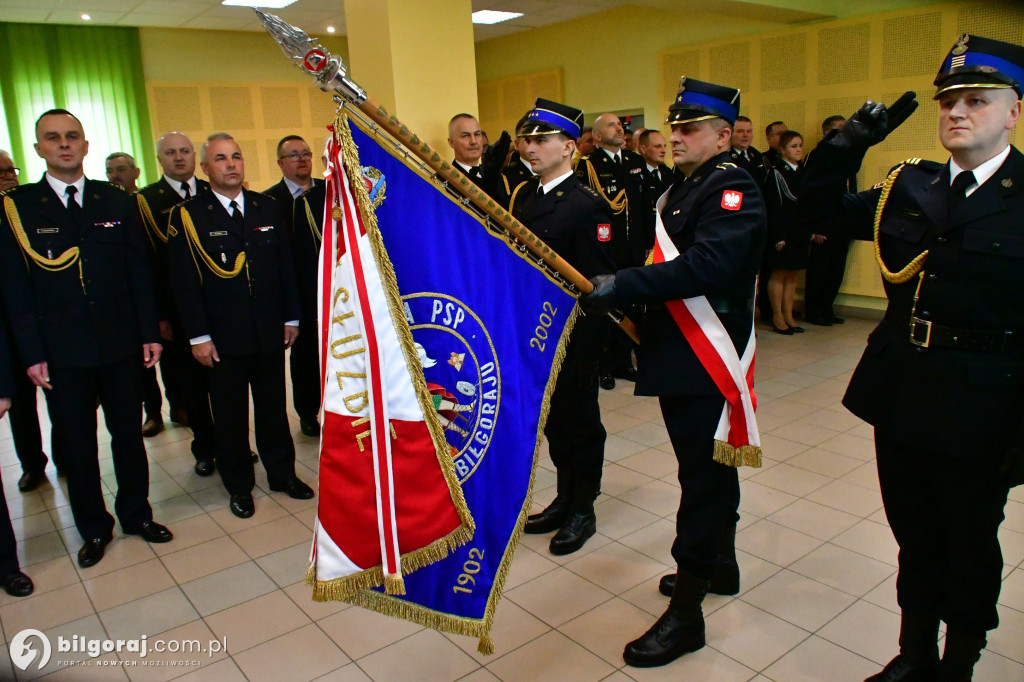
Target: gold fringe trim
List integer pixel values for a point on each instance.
(399, 608)
(311, 220)
(730, 456)
(61, 262)
(619, 203)
(149, 221)
(393, 584)
(914, 266)
(193, 236)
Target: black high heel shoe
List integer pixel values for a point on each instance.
(796, 330)
(788, 331)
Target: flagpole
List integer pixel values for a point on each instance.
(331, 76)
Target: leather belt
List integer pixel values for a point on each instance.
(926, 334)
(719, 304)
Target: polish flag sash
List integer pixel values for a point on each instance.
(737, 440)
(390, 501)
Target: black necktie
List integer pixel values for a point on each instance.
(474, 172)
(72, 204)
(657, 174)
(186, 190)
(540, 191)
(958, 190)
(617, 159)
(236, 215)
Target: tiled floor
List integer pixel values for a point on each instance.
(818, 563)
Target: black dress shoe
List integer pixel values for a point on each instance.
(295, 488)
(151, 531)
(551, 519)
(679, 631)
(797, 330)
(725, 581)
(788, 331)
(580, 527)
(902, 669)
(18, 584)
(608, 382)
(92, 551)
(179, 416)
(310, 427)
(820, 321)
(835, 319)
(242, 506)
(629, 374)
(205, 467)
(152, 426)
(30, 480)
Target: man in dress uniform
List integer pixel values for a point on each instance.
(743, 153)
(15, 583)
(23, 415)
(186, 381)
(302, 198)
(123, 172)
(78, 289)
(942, 376)
(657, 177)
(467, 141)
(708, 250)
(234, 282)
(570, 217)
(617, 175)
(518, 169)
(772, 134)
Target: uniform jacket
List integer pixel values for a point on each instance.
(567, 218)
(652, 190)
(244, 314)
(719, 257)
(512, 175)
(99, 310)
(754, 163)
(963, 402)
(305, 241)
(780, 191)
(161, 198)
(630, 225)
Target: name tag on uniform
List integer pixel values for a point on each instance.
(636, 170)
(219, 233)
(114, 223)
(263, 228)
(47, 230)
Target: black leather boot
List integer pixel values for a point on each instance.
(679, 631)
(961, 652)
(726, 577)
(555, 514)
(918, 660)
(581, 524)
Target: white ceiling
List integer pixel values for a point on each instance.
(314, 16)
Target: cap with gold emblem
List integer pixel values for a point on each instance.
(699, 101)
(976, 62)
(547, 118)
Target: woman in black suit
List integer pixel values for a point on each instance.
(791, 247)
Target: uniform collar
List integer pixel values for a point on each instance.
(226, 202)
(612, 155)
(61, 188)
(296, 190)
(982, 172)
(176, 186)
(554, 183)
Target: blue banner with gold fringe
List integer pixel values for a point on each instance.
(490, 328)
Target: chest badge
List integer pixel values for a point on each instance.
(732, 200)
(604, 232)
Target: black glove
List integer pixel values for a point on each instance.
(1011, 471)
(602, 299)
(873, 122)
(494, 156)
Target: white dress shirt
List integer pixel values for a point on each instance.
(981, 173)
(61, 188)
(191, 182)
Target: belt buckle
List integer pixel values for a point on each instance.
(926, 325)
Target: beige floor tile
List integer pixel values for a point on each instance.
(867, 630)
(824, 462)
(845, 570)
(1007, 638)
(33, 525)
(816, 659)
(776, 448)
(307, 518)
(870, 539)
(346, 673)
(657, 497)
(865, 476)
(558, 596)
(851, 445)
(45, 611)
(267, 510)
(615, 423)
(992, 666)
(271, 537)
(222, 671)
(646, 597)
(652, 462)
(776, 389)
(801, 432)
(287, 565)
(404, 659)
(302, 595)
(616, 518)
(798, 600)
(775, 543)
(46, 576)
(304, 654)
(256, 621)
(540, 543)
(113, 589)
(158, 666)
(884, 595)
(847, 497)
(174, 510)
(751, 636)
(1014, 512)
(513, 627)
(1012, 594)
(203, 559)
(790, 479)
(121, 553)
(101, 669)
(190, 532)
(1012, 545)
(550, 658)
(605, 630)
(705, 664)
(88, 627)
(616, 480)
(654, 540)
(485, 675)
(754, 570)
(814, 519)
(42, 548)
(760, 500)
(147, 616)
(359, 631)
(646, 433)
(526, 566)
(835, 420)
(616, 567)
(227, 588)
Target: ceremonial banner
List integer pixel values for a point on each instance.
(488, 327)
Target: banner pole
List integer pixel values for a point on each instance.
(331, 76)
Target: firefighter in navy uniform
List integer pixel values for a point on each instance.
(78, 290)
(714, 217)
(517, 170)
(569, 217)
(942, 378)
(181, 373)
(234, 282)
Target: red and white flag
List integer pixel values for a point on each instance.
(390, 501)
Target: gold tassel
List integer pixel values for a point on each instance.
(486, 646)
(394, 585)
(745, 455)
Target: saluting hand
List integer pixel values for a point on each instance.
(874, 121)
(151, 354)
(40, 375)
(291, 332)
(205, 353)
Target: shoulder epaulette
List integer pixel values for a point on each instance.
(923, 164)
(725, 165)
(114, 184)
(587, 189)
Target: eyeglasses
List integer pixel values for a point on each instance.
(10, 172)
(295, 156)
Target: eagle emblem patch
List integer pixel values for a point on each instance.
(604, 232)
(732, 200)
